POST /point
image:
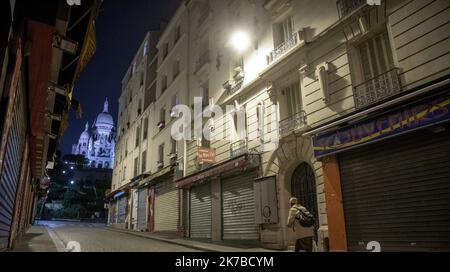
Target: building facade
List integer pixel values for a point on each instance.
(35, 97)
(98, 144)
(325, 90)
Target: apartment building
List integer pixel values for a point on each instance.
(344, 105)
(136, 106)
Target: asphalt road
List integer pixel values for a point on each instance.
(87, 237)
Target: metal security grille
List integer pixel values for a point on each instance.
(11, 168)
(142, 209)
(201, 217)
(397, 192)
(122, 210)
(303, 185)
(113, 212)
(166, 206)
(238, 205)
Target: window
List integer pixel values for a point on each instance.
(165, 50)
(375, 56)
(145, 128)
(175, 102)
(177, 34)
(205, 94)
(163, 84)
(136, 167)
(293, 99)
(161, 156)
(144, 162)
(176, 69)
(174, 149)
(134, 67)
(162, 115)
(284, 31)
(138, 134)
(124, 173)
(141, 83)
(240, 124)
(237, 66)
(145, 48)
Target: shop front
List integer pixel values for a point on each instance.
(158, 202)
(387, 179)
(222, 203)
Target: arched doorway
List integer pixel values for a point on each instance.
(303, 187)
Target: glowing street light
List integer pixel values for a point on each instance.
(72, 182)
(64, 171)
(240, 41)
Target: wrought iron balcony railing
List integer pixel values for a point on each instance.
(294, 123)
(345, 7)
(239, 148)
(283, 48)
(377, 89)
(234, 85)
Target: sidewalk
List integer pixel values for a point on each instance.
(36, 239)
(194, 244)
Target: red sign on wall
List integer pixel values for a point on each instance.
(206, 155)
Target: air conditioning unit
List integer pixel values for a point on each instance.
(173, 114)
(173, 156)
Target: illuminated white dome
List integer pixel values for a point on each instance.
(104, 118)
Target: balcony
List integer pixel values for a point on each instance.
(293, 124)
(377, 89)
(239, 148)
(234, 85)
(283, 48)
(345, 7)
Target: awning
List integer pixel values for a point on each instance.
(226, 167)
(124, 189)
(151, 179)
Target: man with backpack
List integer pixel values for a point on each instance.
(301, 221)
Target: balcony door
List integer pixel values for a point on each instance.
(375, 56)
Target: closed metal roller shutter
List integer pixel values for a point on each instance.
(201, 218)
(113, 212)
(142, 209)
(397, 192)
(122, 210)
(166, 206)
(11, 169)
(238, 206)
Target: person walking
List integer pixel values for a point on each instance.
(301, 223)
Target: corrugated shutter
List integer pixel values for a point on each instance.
(166, 206)
(238, 205)
(113, 212)
(11, 169)
(122, 210)
(201, 218)
(397, 192)
(142, 209)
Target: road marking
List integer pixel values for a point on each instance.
(59, 244)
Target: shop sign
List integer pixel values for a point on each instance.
(398, 121)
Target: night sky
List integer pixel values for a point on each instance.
(121, 27)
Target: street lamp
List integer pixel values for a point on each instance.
(72, 182)
(240, 41)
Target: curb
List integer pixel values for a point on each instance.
(163, 240)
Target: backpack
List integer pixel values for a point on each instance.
(305, 218)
